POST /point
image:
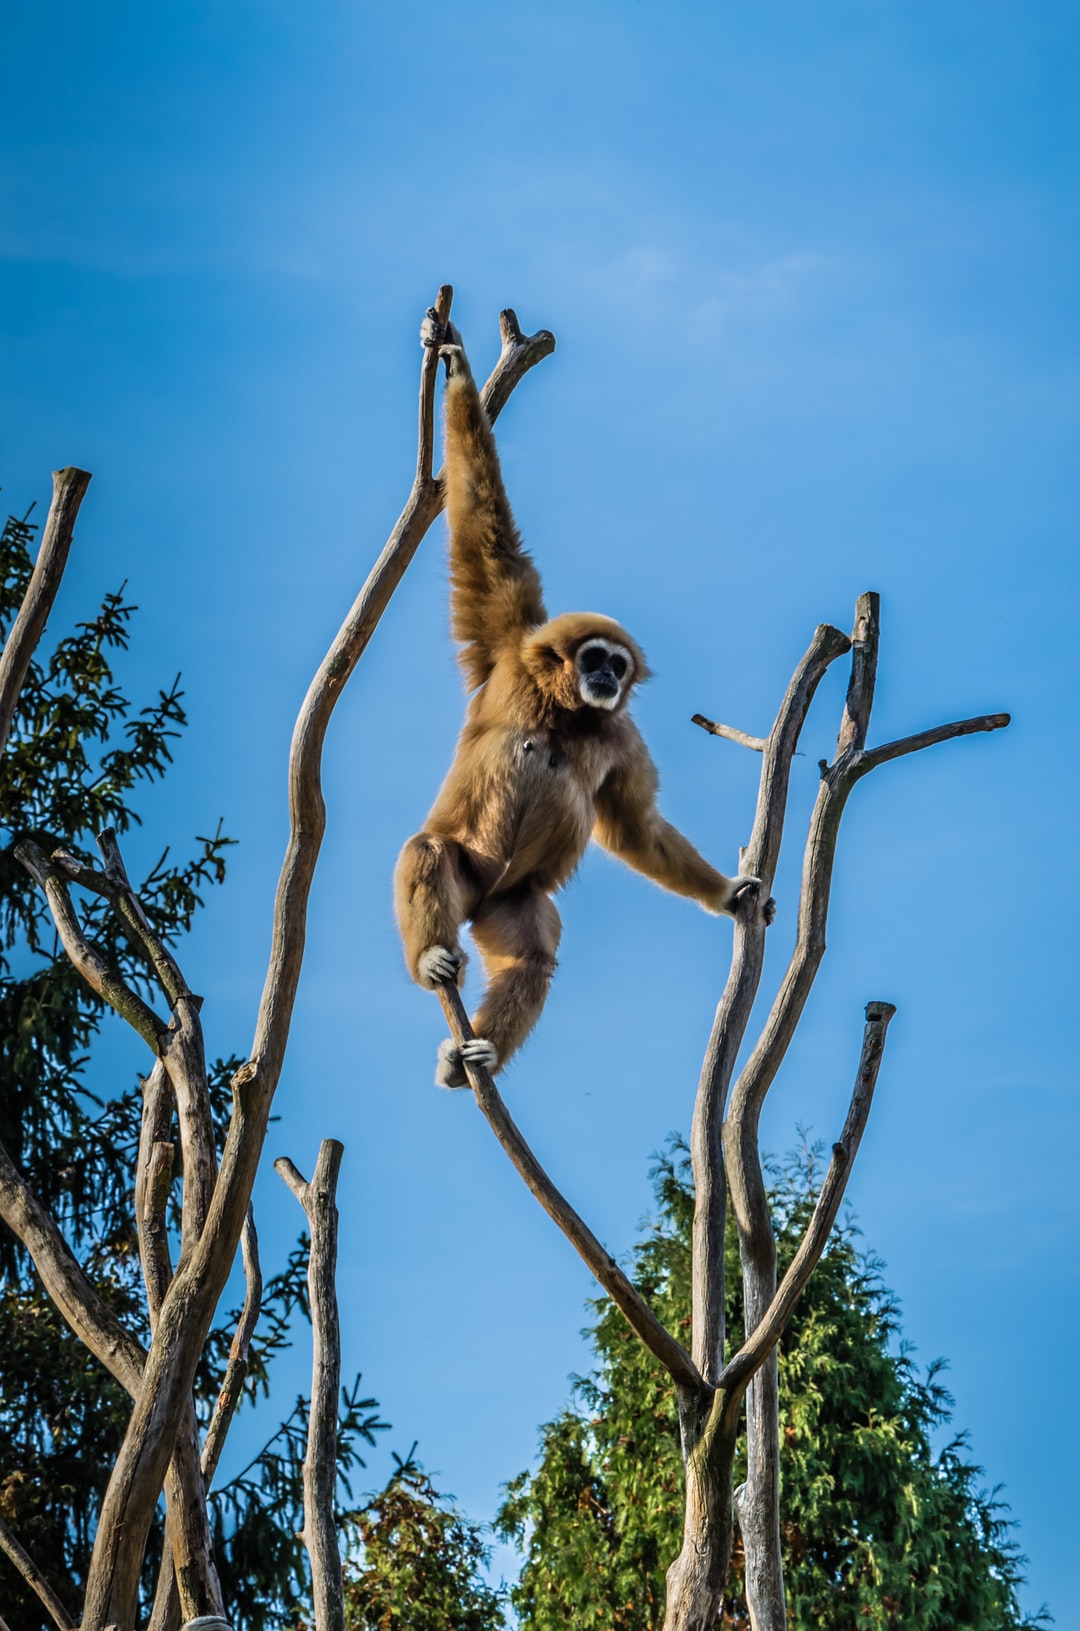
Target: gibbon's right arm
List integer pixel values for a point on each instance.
(629, 825)
(495, 592)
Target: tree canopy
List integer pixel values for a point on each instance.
(885, 1520)
(78, 753)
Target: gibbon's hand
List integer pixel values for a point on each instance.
(743, 888)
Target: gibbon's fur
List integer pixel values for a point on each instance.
(548, 757)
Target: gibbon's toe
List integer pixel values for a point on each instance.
(439, 966)
(449, 1071)
(768, 911)
(480, 1052)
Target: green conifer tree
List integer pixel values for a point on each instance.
(417, 1563)
(880, 1528)
(78, 753)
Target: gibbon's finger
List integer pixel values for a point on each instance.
(480, 1052)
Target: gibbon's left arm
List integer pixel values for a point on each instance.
(629, 824)
(495, 591)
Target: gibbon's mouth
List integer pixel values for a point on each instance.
(601, 689)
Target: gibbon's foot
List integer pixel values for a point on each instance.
(742, 887)
(450, 1065)
(440, 965)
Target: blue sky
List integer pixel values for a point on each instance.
(812, 272)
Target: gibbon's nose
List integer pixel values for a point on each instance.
(603, 682)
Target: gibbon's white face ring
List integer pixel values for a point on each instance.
(604, 669)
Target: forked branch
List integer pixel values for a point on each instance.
(34, 1578)
(188, 1307)
(758, 1507)
(770, 1328)
(733, 1012)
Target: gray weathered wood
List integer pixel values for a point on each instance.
(758, 1508)
(188, 1307)
(34, 1578)
(622, 1291)
(69, 489)
(320, 1463)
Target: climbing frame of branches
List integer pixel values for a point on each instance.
(710, 1384)
(161, 1447)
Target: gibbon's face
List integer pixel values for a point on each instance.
(604, 671)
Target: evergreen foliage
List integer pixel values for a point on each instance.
(418, 1563)
(880, 1528)
(78, 753)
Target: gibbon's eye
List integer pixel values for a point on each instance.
(592, 658)
(618, 665)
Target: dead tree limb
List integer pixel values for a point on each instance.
(236, 1370)
(69, 490)
(166, 1612)
(619, 1287)
(733, 1012)
(320, 1463)
(180, 1049)
(758, 1508)
(201, 1274)
(35, 1579)
(710, 1390)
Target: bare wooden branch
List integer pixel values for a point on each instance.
(112, 1583)
(137, 923)
(872, 757)
(153, 1233)
(425, 441)
(150, 1200)
(114, 886)
(166, 1611)
(733, 1012)
(76, 1299)
(85, 956)
(759, 1504)
(184, 1058)
(757, 743)
(236, 1370)
(320, 1463)
(623, 1293)
(35, 1579)
(860, 695)
(94, 1323)
(769, 1330)
(69, 489)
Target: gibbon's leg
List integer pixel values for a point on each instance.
(517, 935)
(433, 896)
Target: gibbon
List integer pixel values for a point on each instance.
(547, 757)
